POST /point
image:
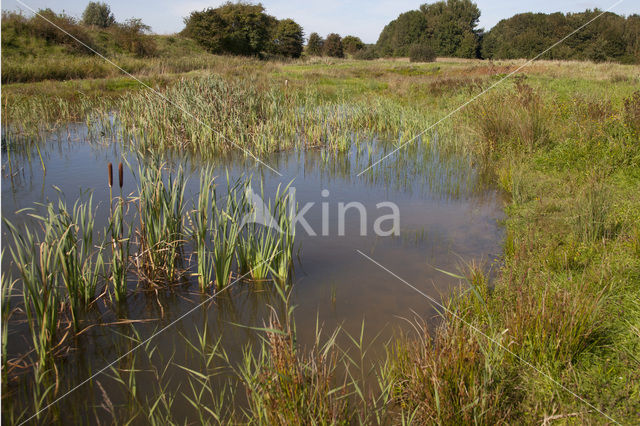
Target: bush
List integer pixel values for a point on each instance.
(352, 44)
(41, 26)
(369, 53)
(421, 53)
(131, 37)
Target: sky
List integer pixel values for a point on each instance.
(362, 18)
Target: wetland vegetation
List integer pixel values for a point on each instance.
(142, 277)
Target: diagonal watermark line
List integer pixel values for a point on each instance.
(488, 88)
(181, 108)
(144, 342)
(441, 306)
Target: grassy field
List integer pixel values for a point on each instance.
(561, 139)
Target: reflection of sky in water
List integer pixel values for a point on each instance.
(446, 217)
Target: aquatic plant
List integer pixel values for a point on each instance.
(37, 262)
(200, 223)
(226, 227)
(160, 231)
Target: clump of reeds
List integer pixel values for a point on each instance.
(37, 262)
(201, 223)
(160, 232)
(512, 121)
(81, 264)
(226, 228)
(266, 249)
(6, 288)
(592, 219)
(120, 239)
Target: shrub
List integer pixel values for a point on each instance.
(46, 25)
(131, 37)
(367, 54)
(352, 44)
(421, 53)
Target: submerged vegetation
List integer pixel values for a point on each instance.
(564, 302)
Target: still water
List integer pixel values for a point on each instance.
(448, 216)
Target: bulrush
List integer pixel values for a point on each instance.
(110, 168)
(120, 175)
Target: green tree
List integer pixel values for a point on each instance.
(452, 23)
(288, 39)
(609, 38)
(236, 28)
(333, 46)
(98, 14)
(407, 29)
(352, 44)
(315, 45)
(449, 27)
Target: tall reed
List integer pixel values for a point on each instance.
(6, 287)
(200, 224)
(80, 266)
(40, 272)
(160, 233)
(226, 224)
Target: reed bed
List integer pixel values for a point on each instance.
(66, 266)
(212, 115)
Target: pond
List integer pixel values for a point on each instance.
(448, 216)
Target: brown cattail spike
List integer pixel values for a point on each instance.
(120, 175)
(110, 167)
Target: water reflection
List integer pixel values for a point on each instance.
(448, 215)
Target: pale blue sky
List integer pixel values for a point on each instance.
(363, 18)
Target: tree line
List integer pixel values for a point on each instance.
(449, 28)
(609, 38)
(446, 28)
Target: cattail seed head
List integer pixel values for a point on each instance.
(120, 175)
(110, 167)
